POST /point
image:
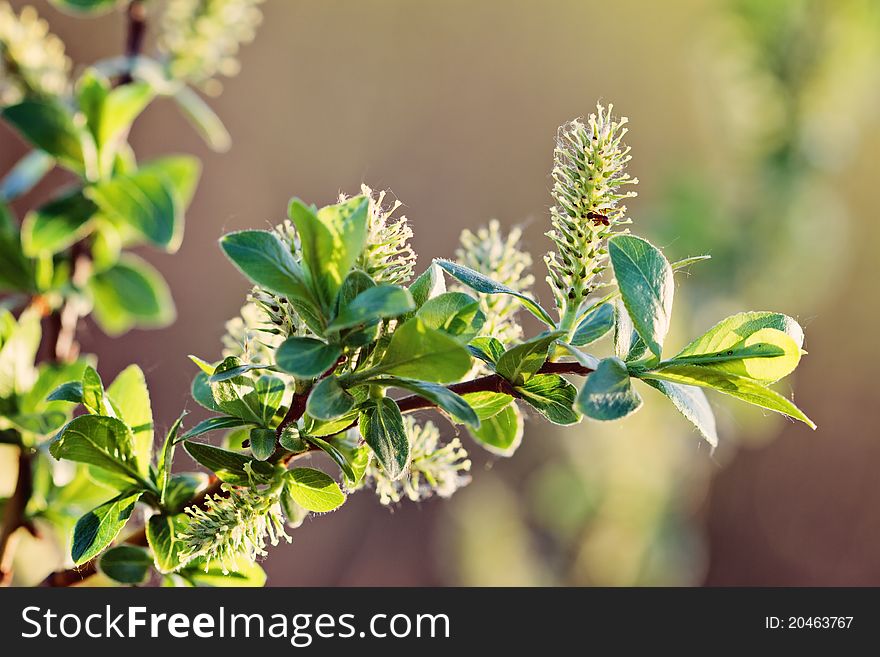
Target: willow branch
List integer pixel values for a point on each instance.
(488, 383)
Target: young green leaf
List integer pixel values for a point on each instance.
(594, 326)
(767, 355)
(524, 360)
(608, 393)
(146, 203)
(130, 396)
(338, 455)
(306, 358)
(262, 443)
(215, 573)
(314, 490)
(487, 403)
(131, 293)
(49, 127)
(429, 284)
(331, 240)
(379, 302)
(455, 313)
(266, 261)
(552, 396)
(201, 392)
(443, 397)
(213, 424)
(628, 345)
(71, 391)
(502, 433)
(487, 349)
(121, 107)
(231, 467)
(102, 441)
(419, 352)
(94, 397)
(736, 328)
(480, 283)
(162, 531)
(644, 278)
(182, 488)
(126, 564)
(96, 530)
(181, 172)
(692, 403)
(58, 224)
(381, 426)
(730, 384)
(328, 400)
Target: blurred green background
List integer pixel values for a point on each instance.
(754, 133)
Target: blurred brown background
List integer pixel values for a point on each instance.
(453, 106)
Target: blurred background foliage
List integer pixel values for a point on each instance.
(753, 126)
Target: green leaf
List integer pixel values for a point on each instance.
(165, 459)
(49, 127)
(487, 404)
(72, 391)
(232, 467)
(480, 283)
(439, 395)
(18, 348)
(262, 443)
(266, 261)
(131, 398)
(306, 358)
(201, 392)
(692, 403)
(215, 573)
(419, 352)
(314, 490)
(379, 302)
(644, 278)
(502, 433)
(594, 326)
(182, 488)
(730, 384)
(358, 456)
(131, 293)
(743, 344)
(455, 313)
(25, 175)
(102, 441)
(335, 453)
(381, 426)
(93, 395)
(99, 527)
(628, 346)
(181, 172)
(767, 355)
(214, 424)
(126, 564)
(687, 262)
(145, 202)
(608, 393)
(204, 119)
(56, 225)
(234, 372)
(120, 108)
(294, 514)
(162, 531)
(429, 284)
(331, 240)
(254, 401)
(552, 396)
(487, 349)
(328, 400)
(524, 360)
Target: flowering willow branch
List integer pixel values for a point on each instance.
(408, 404)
